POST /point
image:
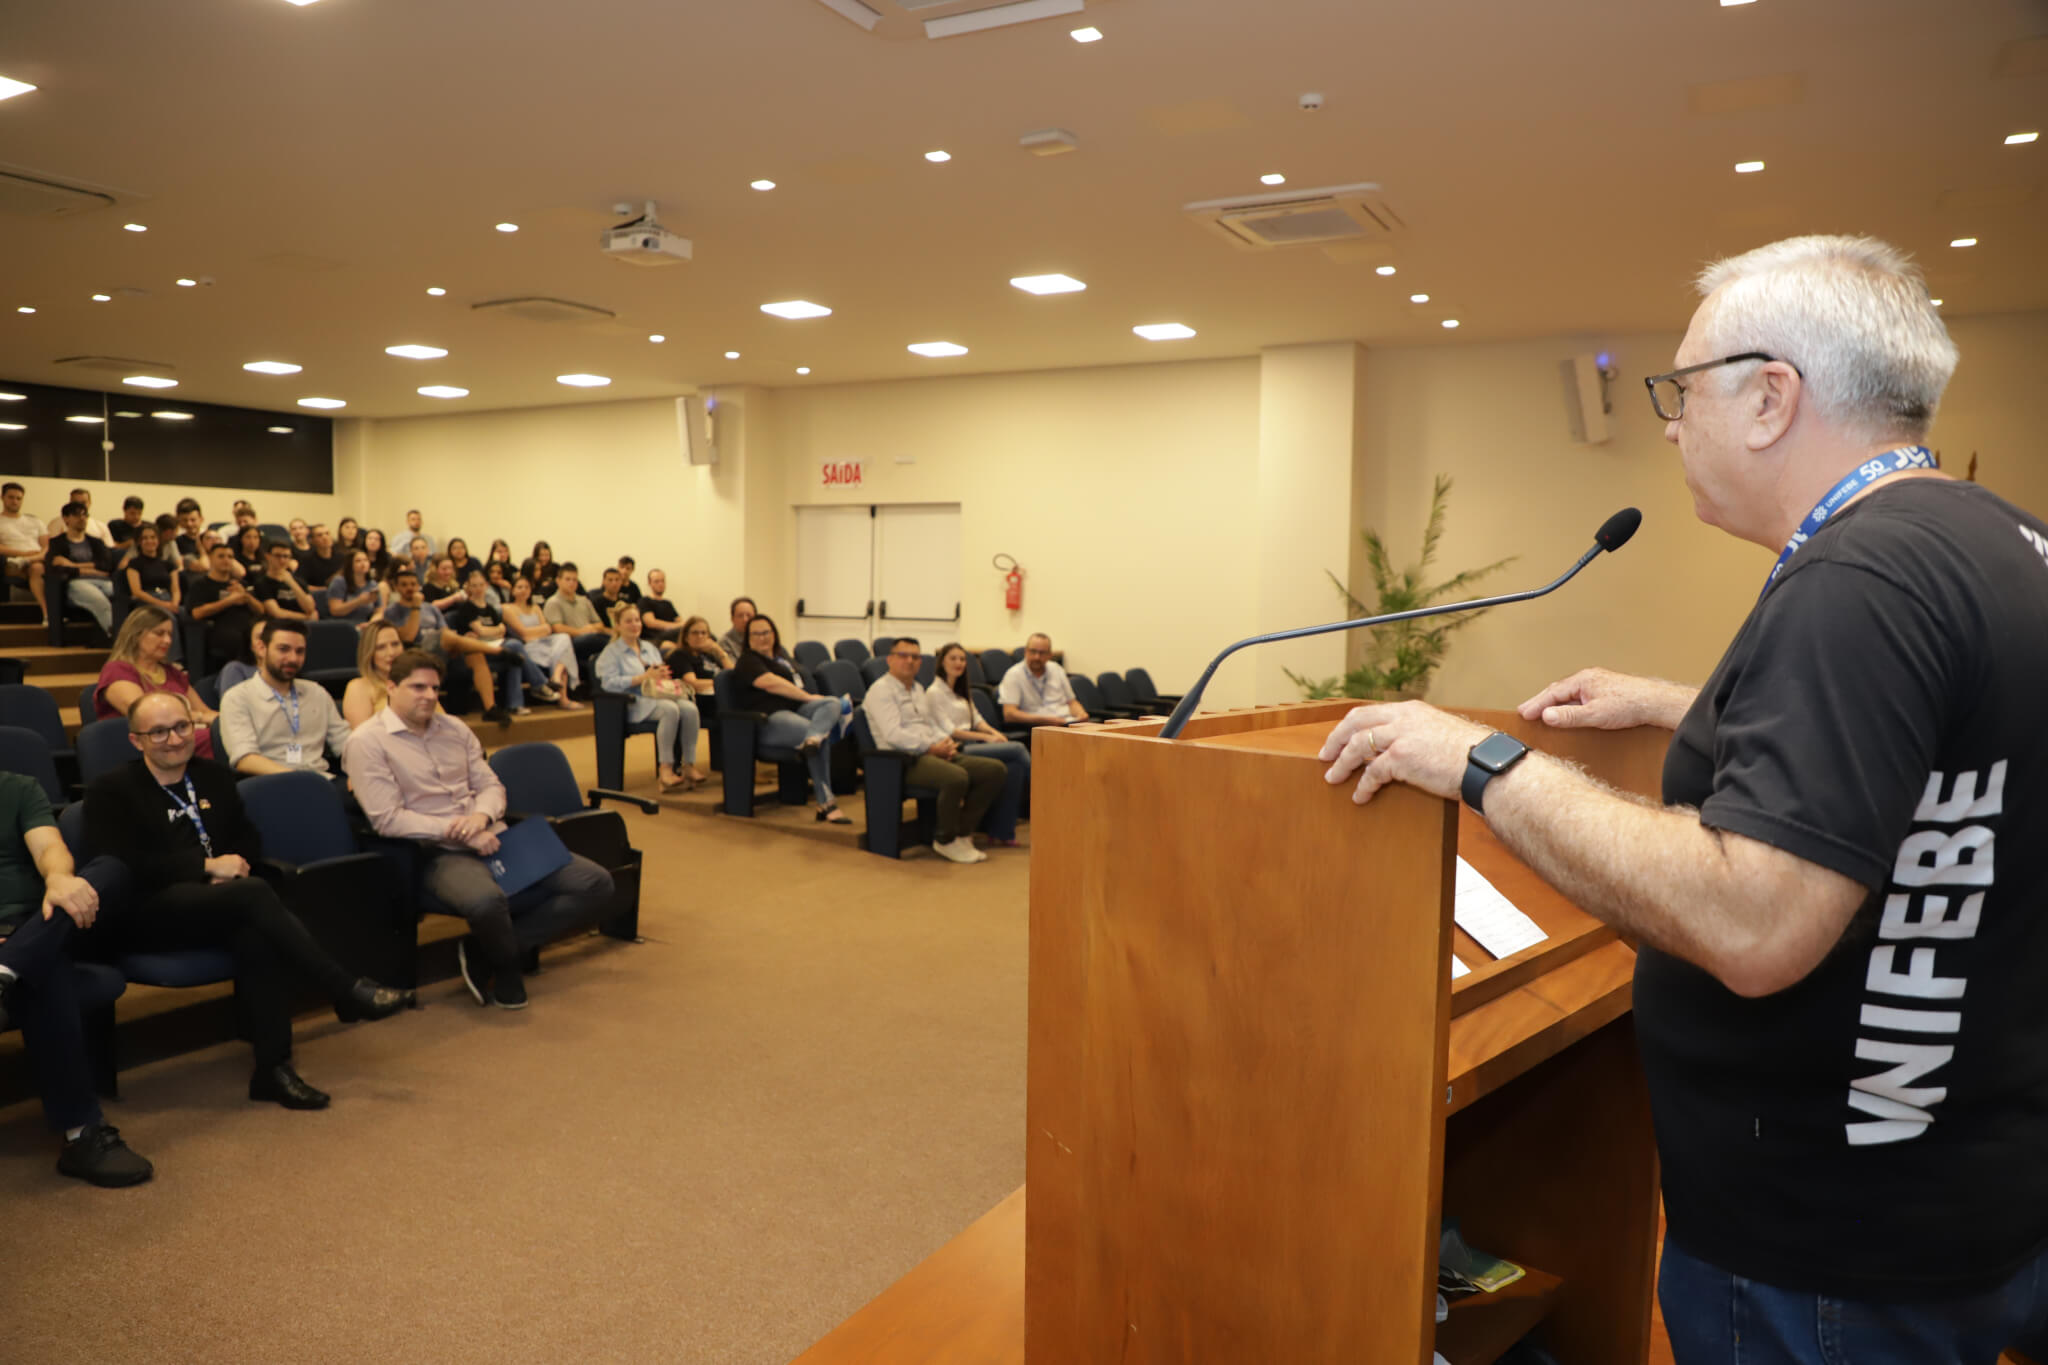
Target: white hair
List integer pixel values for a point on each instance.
(1852, 314)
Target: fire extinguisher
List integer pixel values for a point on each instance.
(1013, 582)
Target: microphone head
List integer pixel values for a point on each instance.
(1615, 531)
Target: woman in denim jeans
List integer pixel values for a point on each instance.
(627, 667)
(797, 719)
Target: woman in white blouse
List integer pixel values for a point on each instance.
(554, 653)
(949, 704)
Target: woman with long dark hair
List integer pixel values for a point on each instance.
(540, 566)
(951, 707)
(797, 719)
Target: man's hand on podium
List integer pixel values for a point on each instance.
(1601, 699)
(1407, 741)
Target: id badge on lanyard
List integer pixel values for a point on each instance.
(293, 753)
(1873, 471)
(188, 806)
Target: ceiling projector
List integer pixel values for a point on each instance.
(642, 241)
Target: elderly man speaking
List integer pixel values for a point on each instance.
(1842, 905)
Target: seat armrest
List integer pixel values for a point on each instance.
(599, 795)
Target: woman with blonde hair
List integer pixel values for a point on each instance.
(140, 663)
(370, 690)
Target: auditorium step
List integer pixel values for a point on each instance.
(39, 659)
(21, 636)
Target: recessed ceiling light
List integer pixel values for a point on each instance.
(187, 284)
(172, 416)
(1964, 241)
(797, 308)
(1164, 331)
(936, 348)
(273, 367)
(134, 227)
(1730, 4)
(2015, 139)
(120, 413)
(1418, 298)
(416, 352)
(279, 431)
(302, 3)
(1748, 167)
(508, 227)
(441, 391)
(1272, 178)
(578, 381)
(1086, 35)
(732, 355)
(13, 426)
(84, 418)
(13, 398)
(763, 185)
(1450, 322)
(9, 88)
(1383, 270)
(938, 156)
(1935, 302)
(1048, 284)
(656, 337)
(803, 369)
(150, 381)
(102, 298)
(24, 309)
(436, 290)
(322, 403)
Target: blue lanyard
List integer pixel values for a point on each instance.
(293, 705)
(1037, 686)
(188, 805)
(1883, 467)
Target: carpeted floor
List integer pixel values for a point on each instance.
(710, 1147)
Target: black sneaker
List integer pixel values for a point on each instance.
(475, 973)
(508, 991)
(99, 1157)
(499, 715)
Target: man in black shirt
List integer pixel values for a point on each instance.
(319, 564)
(227, 608)
(131, 521)
(284, 598)
(180, 828)
(660, 616)
(1838, 992)
(629, 591)
(84, 565)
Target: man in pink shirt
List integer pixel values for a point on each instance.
(420, 774)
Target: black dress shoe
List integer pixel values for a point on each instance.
(499, 715)
(281, 1085)
(368, 1000)
(99, 1157)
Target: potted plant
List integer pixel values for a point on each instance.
(1401, 658)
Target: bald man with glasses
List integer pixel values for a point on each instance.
(967, 784)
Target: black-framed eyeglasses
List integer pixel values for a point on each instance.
(906, 654)
(162, 734)
(1667, 395)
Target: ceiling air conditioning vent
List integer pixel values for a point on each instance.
(1335, 213)
(544, 310)
(114, 364)
(38, 196)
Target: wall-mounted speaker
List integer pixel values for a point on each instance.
(697, 428)
(1585, 397)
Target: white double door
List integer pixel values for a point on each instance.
(866, 571)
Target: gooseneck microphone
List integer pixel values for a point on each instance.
(1612, 535)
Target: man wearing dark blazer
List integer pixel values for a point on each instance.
(179, 825)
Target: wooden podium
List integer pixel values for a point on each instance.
(1254, 1089)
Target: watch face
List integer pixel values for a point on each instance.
(1497, 751)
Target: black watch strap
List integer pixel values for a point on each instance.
(1485, 761)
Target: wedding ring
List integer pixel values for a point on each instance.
(1372, 744)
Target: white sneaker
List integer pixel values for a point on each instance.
(959, 851)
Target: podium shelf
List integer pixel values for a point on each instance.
(1481, 1327)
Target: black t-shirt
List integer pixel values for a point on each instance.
(228, 631)
(154, 574)
(122, 532)
(752, 666)
(188, 547)
(461, 614)
(316, 570)
(438, 592)
(1878, 1131)
(630, 592)
(264, 588)
(660, 608)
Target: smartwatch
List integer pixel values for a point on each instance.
(1486, 760)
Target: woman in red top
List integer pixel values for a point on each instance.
(140, 664)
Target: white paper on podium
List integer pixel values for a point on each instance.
(1458, 968)
(1489, 917)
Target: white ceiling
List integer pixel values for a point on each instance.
(1560, 166)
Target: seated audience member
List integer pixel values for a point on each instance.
(235, 672)
(699, 659)
(420, 774)
(23, 541)
(355, 594)
(192, 889)
(245, 516)
(501, 553)
(91, 564)
(132, 520)
(951, 708)
(283, 596)
(140, 664)
(796, 718)
(321, 561)
(423, 626)
(167, 532)
(555, 654)
(657, 611)
(471, 615)
(608, 598)
(497, 583)
(440, 583)
(248, 546)
(629, 591)
(191, 525)
(458, 555)
(380, 556)
(734, 641)
(94, 527)
(369, 691)
(348, 536)
(540, 566)
(968, 785)
(148, 575)
(1036, 692)
(277, 721)
(413, 532)
(630, 666)
(571, 613)
(419, 553)
(296, 531)
(44, 898)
